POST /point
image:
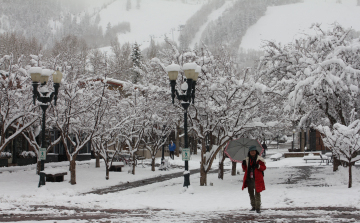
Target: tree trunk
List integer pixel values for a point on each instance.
(107, 172)
(73, 171)
(350, 175)
(190, 138)
(221, 167)
(336, 164)
(202, 169)
(153, 164)
(97, 164)
(221, 170)
(203, 176)
(133, 170)
(194, 144)
(233, 169)
(302, 148)
(177, 141)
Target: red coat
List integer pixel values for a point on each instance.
(259, 178)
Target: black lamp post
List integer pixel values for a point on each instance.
(41, 76)
(187, 95)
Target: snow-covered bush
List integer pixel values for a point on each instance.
(6, 155)
(27, 154)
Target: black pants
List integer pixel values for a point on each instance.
(255, 197)
(172, 154)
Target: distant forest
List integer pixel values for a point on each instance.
(31, 18)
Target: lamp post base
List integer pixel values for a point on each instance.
(42, 175)
(186, 175)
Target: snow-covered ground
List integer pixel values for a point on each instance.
(284, 188)
(286, 23)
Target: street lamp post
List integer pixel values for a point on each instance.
(186, 96)
(42, 95)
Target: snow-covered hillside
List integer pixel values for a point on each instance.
(149, 18)
(212, 17)
(288, 22)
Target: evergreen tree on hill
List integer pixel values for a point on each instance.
(137, 64)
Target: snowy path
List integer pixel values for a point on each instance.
(293, 214)
(144, 182)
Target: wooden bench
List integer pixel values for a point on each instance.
(276, 157)
(52, 176)
(140, 158)
(320, 157)
(116, 166)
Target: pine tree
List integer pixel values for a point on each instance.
(136, 60)
(128, 5)
(138, 4)
(152, 50)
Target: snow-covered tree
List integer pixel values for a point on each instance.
(120, 63)
(128, 5)
(30, 135)
(134, 131)
(226, 102)
(101, 145)
(138, 4)
(344, 142)
(17, 111)
(226, 106)
(136, 58)
(80, 108)
(114, 121)
(317, 76)
(98, 63)
(157, 132)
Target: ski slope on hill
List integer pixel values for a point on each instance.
(212, 17)
(286, 23)
(153, 19)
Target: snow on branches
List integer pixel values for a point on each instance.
(344, 142)
(317, 72)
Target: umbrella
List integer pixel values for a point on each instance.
(237, 150)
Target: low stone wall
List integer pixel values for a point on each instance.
(25, 161)
(145, 153)
(299, 154)
(52, 157)
(83, 156)
(3, 162)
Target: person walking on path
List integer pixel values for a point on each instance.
(253, 166)
(264, 146)
(172, 148)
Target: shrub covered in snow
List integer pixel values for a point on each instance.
(27, 154)
(5, 155)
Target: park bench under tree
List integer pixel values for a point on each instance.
(54, 175)
(276, 156)
(323, 159)
(116, 166)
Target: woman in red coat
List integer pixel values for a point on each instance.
(253, 166)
